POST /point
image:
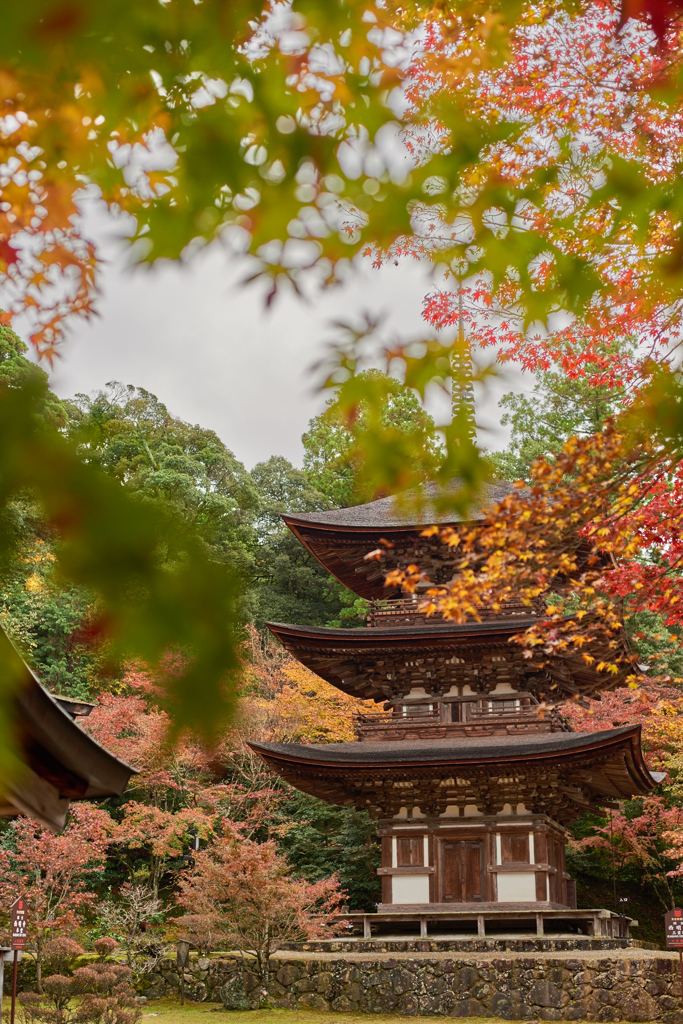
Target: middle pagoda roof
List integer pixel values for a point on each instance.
(385, 664)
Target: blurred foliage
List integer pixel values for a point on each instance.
(334, 449)
(115, 546)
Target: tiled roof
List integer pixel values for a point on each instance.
(451, 751)
(388, 512)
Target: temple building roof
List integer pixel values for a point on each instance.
(59, 761)
(383, 664)
(560, 774)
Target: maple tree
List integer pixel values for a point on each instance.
(242, 891)
(56, 874)
(132, 916)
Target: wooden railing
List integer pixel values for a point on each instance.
(406, 611)
(395, 724)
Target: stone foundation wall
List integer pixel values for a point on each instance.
(631, 986)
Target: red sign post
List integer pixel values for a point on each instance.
(673, 931)
(18, 913)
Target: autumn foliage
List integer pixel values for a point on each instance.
(240, 894)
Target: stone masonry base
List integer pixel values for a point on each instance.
(615, 985)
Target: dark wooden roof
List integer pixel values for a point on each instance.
(382, 664)
(59, 762)
(563, 774)
(390, 514)
(341, 538)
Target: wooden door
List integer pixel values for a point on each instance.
(462, 874)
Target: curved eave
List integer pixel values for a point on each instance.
(432, 633)
(322, 650)
(61, 762)
(620, 748)
(364, 579)
(327, 535)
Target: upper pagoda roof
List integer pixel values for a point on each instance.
(341, 538)
(588, 768)
(385, 663)
(389, 514)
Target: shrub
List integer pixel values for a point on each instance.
(106, 997)
(105, 947)
(60, 955)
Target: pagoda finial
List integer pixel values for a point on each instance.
(462, 388)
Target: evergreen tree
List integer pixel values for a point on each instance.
(291, 585)
(130, 434)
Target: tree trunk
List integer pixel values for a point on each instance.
(39, 967)
(264, 973)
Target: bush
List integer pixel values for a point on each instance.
(60, 955)
(106, 997)
(105, 947)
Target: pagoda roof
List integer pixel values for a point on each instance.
(341, 538)
(59, 762)
(359, 661)
(390, 514)
(589, 767)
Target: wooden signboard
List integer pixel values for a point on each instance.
(673, 928)
(18, 912)
(673, 932)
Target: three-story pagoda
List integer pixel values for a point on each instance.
(469, 769)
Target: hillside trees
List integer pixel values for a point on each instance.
(559, 406)
(187, 469)
(291, 586)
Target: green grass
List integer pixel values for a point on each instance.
(169, 1011)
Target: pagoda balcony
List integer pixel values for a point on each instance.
(431, 723)
(405, 611)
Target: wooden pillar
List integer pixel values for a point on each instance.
(481, 929)
(367, 927)
(539, 924)
(423, 926)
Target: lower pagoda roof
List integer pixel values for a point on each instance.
(383, 664)
(559, 774)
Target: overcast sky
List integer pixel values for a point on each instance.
(201, 340)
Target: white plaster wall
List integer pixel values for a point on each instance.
(516, 887)
(503, 688)
(410, 889)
